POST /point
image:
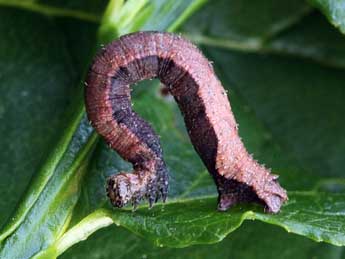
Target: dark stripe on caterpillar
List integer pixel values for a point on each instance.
(206, 110)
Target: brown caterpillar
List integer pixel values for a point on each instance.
(212, 128)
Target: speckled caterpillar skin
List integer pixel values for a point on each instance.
(212, 128)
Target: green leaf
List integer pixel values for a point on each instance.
(279, 32)
(334, 10)
(13, 92)
(320, 42)
(254, 240)
(246, 21)
(88, 10)
(287, 71)
(44, 83)
(45, 211)
(310, 104)
(41, 76)
(187, 222)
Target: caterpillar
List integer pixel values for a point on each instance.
(204, 104)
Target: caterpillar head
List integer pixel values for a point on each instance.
(119, 190)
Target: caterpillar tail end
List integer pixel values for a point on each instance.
(232, 192)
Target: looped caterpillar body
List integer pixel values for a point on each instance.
(204, 104)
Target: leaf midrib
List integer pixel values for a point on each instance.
(49, 10)
(253, 46)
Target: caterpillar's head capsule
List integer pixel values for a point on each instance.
(119, 190)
